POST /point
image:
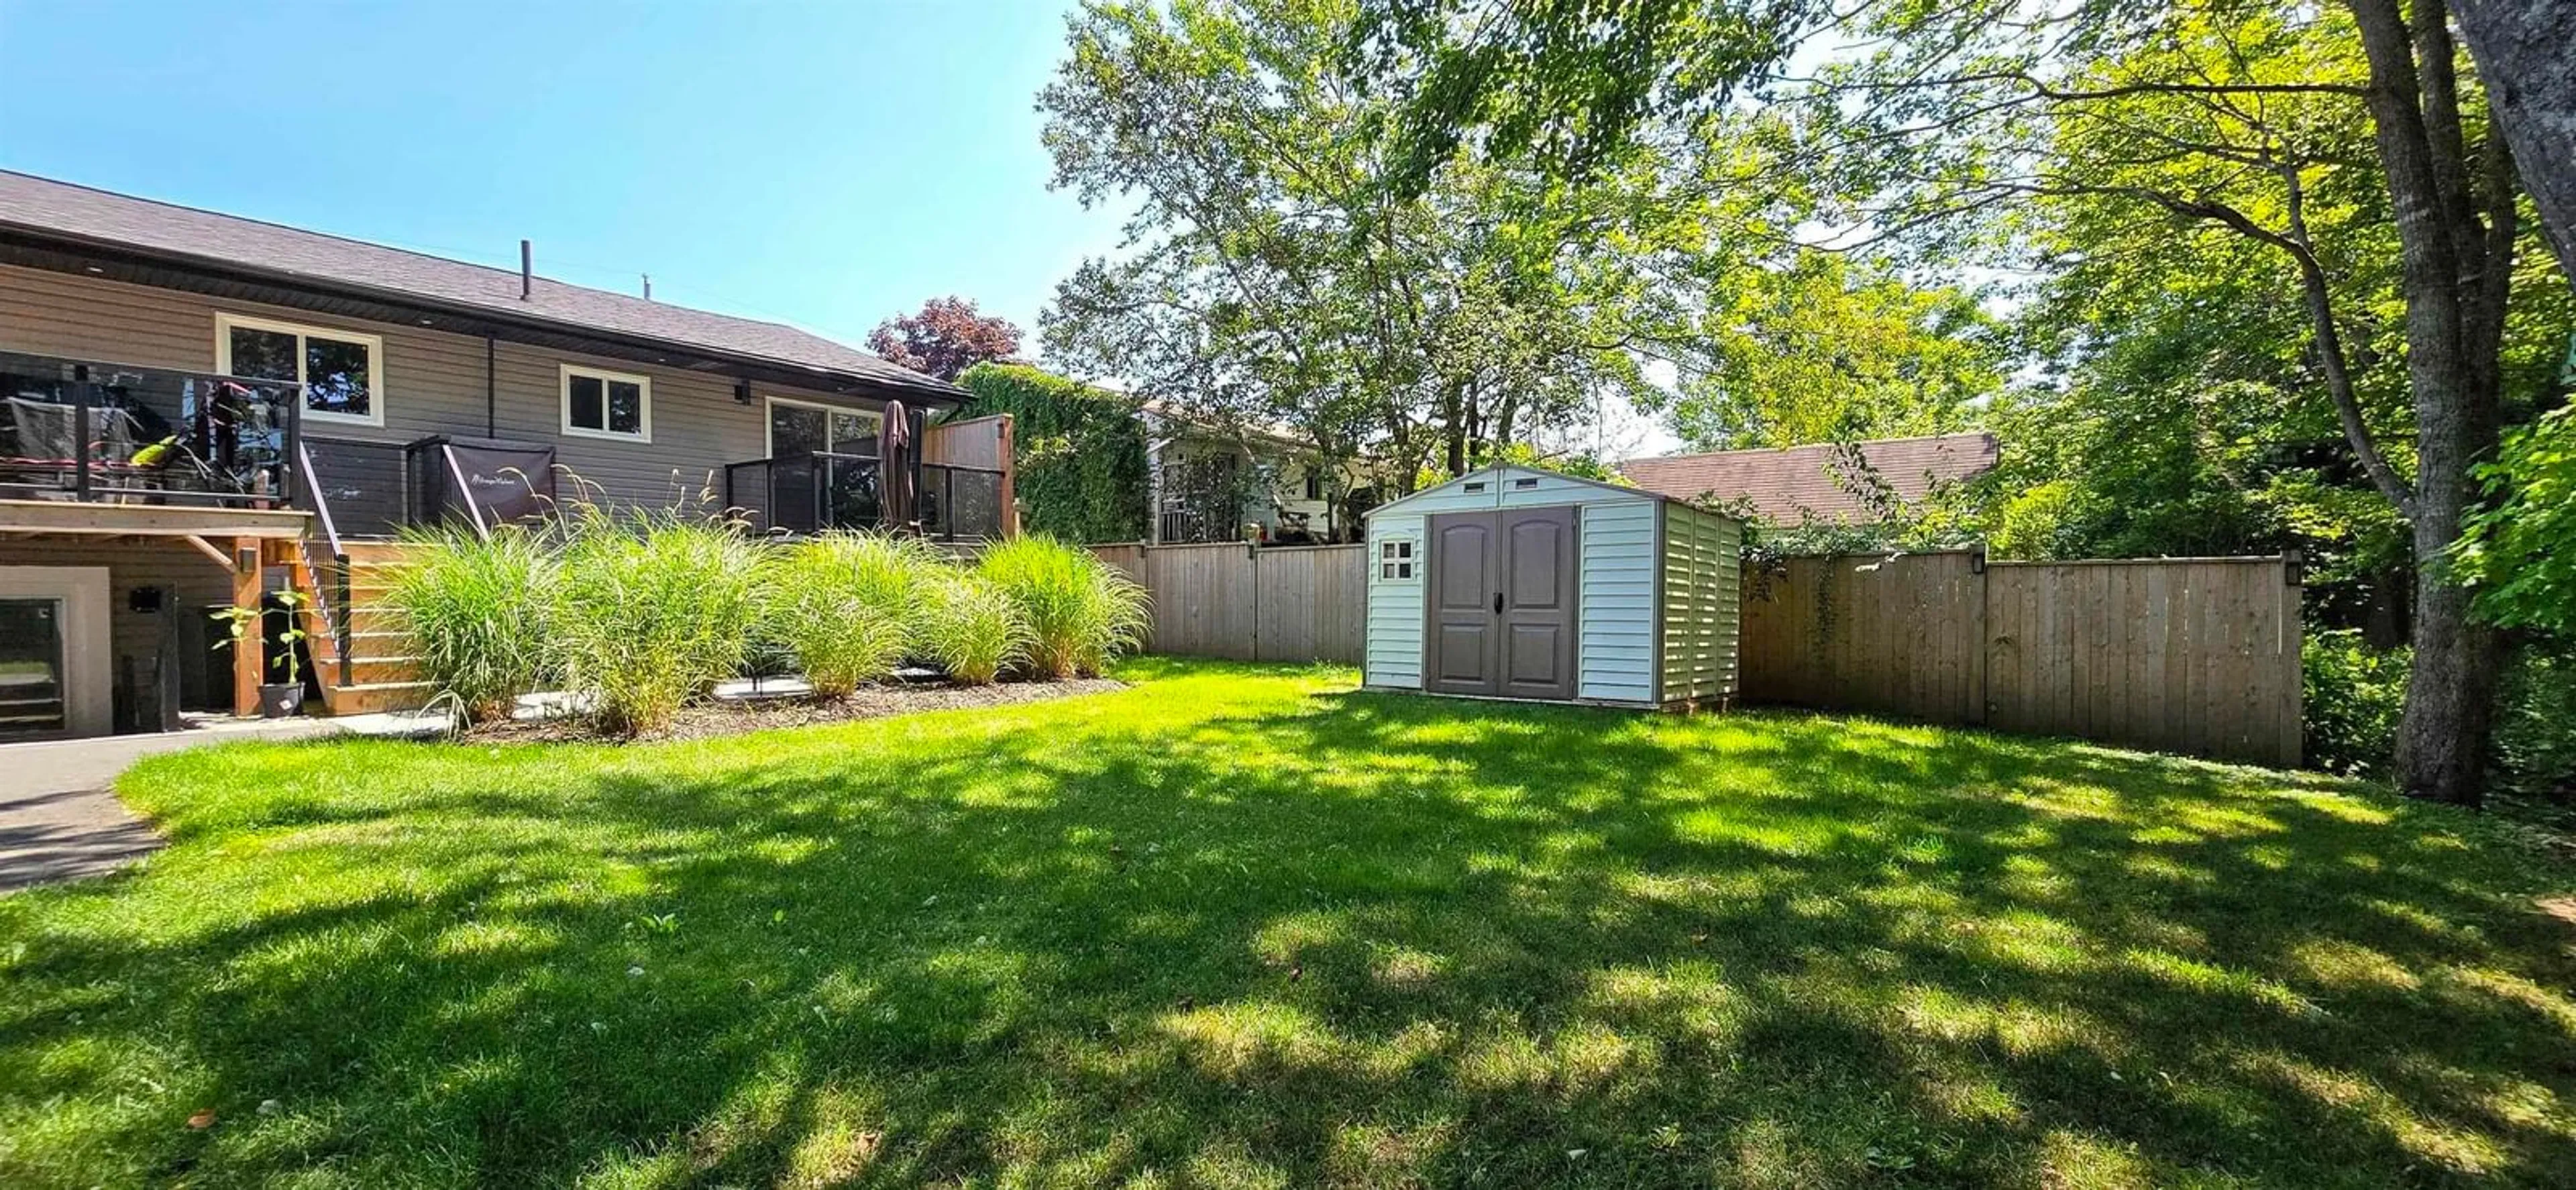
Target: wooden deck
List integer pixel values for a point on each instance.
(43, 518)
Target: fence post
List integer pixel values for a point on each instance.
(1983, 700)
(2293, 648)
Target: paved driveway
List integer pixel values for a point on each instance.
(59, 821)
(65, 834)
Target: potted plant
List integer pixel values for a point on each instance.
(277, 700)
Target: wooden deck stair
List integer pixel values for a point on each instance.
(381, 676)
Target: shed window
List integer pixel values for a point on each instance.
(599, 404)
(1395, 558)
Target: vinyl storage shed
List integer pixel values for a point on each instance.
(1515, 582)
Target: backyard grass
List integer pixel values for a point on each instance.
(1246, 927)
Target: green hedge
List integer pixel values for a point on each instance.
(1079, 452)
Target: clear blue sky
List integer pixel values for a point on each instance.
(825, 164)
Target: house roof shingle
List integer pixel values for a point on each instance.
(1783, 483)
(44, 206)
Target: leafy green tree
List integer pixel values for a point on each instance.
(1272, 279)
(1566, 83)
(1816, 347)
(2520, 550)
(1570, 82)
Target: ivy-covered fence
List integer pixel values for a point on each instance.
(1079, 452)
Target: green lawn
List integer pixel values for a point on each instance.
(1243, 926)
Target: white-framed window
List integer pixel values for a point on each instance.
(1395, 559)
(598, 403)
(805, 427)
(342, 371)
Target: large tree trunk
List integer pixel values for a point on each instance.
(2451, 691)
(2454, 268)
(2522, 49)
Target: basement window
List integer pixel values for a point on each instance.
(601, 404)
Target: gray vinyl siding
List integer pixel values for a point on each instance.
(1615, 622)
(1703, 603)
(432, 382)
(1393, 650)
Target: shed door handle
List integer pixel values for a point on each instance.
(1498, 603)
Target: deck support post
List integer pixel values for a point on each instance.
(250, 651)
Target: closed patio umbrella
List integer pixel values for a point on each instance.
(894, 461)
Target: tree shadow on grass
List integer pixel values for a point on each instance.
(1218, 932)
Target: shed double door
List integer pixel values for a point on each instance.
(1502, 606)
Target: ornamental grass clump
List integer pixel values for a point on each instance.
(846, 605)
(653, 609)
(476, 613)
(972, 629)
(1080, 610)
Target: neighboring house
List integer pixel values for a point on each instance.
(1786, 486)
(198, 410)
(1213, 485)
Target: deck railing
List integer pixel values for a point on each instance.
(810, 493)
(110, 433)
(331, 587)
(960, 503)
(364, 484)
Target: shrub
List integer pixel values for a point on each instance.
(2351, 705)
(2519, 548)
(845, 605)
(653, 609)
(1080, 610)
(972, 629)
(2536, 722)
(476, 613)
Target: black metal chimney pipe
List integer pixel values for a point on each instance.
(527, 270)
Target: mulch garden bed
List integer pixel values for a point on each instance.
(733, 716)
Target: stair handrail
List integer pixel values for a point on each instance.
(335, 605)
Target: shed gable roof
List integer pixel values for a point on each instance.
(45, 207)
(1506, 470)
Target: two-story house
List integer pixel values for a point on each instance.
(199, 410)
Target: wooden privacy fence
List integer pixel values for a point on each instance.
(1288, 603)
(2191, 655)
